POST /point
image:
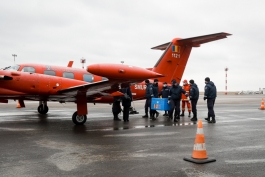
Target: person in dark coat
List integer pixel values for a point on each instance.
(116, 108)
(174, 100)
(164, 93)
(194, 96)
(156, 94)
(210, 96)
(148, 95)
(126, 101)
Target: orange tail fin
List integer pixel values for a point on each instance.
(173, 61)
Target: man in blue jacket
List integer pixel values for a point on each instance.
(210, 96)
(174, 99)
(148, 95)
(194, 96)
(126, 101)
(164, 93)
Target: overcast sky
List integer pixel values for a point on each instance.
(110, 31)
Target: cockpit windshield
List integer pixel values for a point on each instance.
(11, 68)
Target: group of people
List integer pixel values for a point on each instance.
(188, 94)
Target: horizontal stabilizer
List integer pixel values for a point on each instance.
(195, 41)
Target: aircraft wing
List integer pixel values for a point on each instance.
(195, 41)
(94, 91)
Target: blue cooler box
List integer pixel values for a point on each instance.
(160, 104)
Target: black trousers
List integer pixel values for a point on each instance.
(126, 110)
(174, 105)
(210, 106)
(194, 107)
(147, 105)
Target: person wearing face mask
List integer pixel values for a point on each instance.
(174, 99)
(148, 95)
(155, 92)
(164, 93)
(185, 99)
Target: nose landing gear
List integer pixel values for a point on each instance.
(79, 120)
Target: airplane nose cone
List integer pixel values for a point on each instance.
(93, 68)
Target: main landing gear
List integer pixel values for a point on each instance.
(43, 108)
(79, 120)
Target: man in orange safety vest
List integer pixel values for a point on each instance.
(185, 99)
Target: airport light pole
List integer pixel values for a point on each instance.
(83, 61)
(14, 55)
(226, 69)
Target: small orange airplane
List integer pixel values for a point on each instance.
(99, 83)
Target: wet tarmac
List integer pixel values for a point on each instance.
(51, 145)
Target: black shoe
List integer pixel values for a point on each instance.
(145, 116)
(208, 119)
(212, 121)
(157, 114)
(189, 114)
(164, 115)
(194, 119)
(181, 114)
(117, 119)
(152, 117)
(175, 120)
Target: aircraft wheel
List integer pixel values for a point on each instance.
(78, 120)
(43, 109)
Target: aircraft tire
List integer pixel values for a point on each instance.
(79, 120)
(43, 109)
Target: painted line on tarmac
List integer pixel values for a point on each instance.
(144, 126)
(245, 161)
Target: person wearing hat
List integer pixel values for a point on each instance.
(148, 95)
(174, 99)
(194, 96)
(155, 92)
(164, 93)
(210, 96)
(185, 99)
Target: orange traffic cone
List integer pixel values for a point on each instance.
(262, 107)
(199, 154)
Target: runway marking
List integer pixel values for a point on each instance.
(16, 129)
(142, 134)
(143, 126)
(245, 161)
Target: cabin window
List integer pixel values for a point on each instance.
(68, 75)
(104, 79)
(88, 78)
(50, 72)
(28, 69)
